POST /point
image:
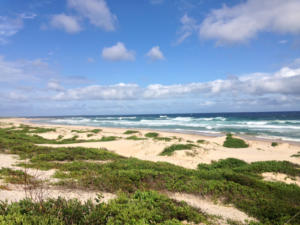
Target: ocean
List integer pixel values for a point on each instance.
(268, 125)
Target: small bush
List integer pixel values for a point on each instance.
(201, 141)
(152, 135)
(96, 131)
(162, 139)
(130, 132)
(232, 142)
(169, 150)
(274, 144)
(109, 138)
(296, 155)
(139, 208)
(135, 138)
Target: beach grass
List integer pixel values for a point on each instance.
(135, 138)
(131, 132)
(151, 135)
(232, 142)
(230, 180)
(175, 147)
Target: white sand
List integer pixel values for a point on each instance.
(150, 149)
(281, 177)
(211, 208)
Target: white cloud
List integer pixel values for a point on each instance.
(118, 52)
(11, 26)
(155, 54)
(97, 92)
(65, 22)
(244, 21)
(283, 82)
(55, 86)
(188, 27)
(96, 11)
(35, 82)
(23, 70)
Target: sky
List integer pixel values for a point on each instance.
(100, 57)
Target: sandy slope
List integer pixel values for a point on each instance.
(211, 208)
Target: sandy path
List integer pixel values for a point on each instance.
(207, 206)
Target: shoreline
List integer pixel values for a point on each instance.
(200, 134)
(209, 149)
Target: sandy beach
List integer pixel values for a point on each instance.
(207, 150)
(149, 149)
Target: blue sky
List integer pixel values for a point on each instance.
(77, 57)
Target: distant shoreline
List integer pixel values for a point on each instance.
(170, 131)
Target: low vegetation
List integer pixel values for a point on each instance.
(131, 132)
(201, 141)
(296, 155)
(15, 176)
(109, 138)
(152, 135)
(232, 142)
(171, 149)
(96, 131)
(274, 144)
(162, 139)
(231, 180)
(139, 208)
(135, 138)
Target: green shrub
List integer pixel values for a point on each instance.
(232, 142)
(135, 138)
(232, 180)
(200, 141)
(296, 155)
(152, 135)
(274, 144)
(109, 138)
(162, 138)
(130, 132)
(139, 208)
(96, 131)
(169, 150)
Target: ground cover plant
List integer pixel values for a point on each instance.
(296, 155)
(152, 135)
(135, 138)
(232, 180)
(274, 144)
(175, 147)
(232, 142)
(130, 132)
(162, 138)
(147, 207)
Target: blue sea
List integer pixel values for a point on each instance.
(268, 125)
